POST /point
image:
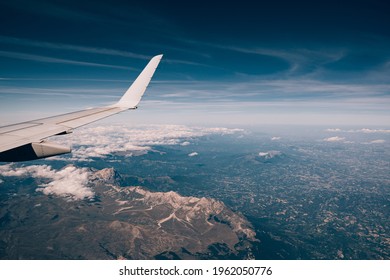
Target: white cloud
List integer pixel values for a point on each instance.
(270, 154)
(335, 139)
(193, 154)
(368, 130)
(7, 171)
(276, 138)
(101, 141)
(362, 130)
(378, 141)
(1, 181)
(69, 182)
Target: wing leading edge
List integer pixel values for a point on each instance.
(25, 141)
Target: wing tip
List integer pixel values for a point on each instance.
(158, 57)
(133, 95)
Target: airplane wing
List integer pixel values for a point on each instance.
(25, 141)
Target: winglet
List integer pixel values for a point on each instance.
(133, 95)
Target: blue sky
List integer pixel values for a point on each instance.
(241, 62)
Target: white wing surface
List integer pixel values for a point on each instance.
(25, 141)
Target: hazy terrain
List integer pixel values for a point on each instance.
(192, 192)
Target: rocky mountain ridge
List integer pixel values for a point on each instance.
(121, 223)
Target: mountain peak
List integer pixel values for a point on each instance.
(108, 176)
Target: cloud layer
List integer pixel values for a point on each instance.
(362, 130)
(102, 141)
(360, 135)
(69, 182)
